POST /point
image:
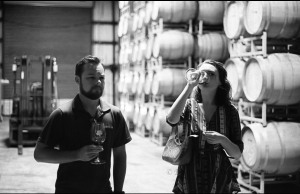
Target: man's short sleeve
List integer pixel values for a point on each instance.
(52, 132)
(122, 134)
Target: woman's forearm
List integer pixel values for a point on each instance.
(175, 111)
(231, 148)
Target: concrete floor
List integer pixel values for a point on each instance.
(146, 171)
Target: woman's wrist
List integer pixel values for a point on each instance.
(224, 140)
(189, 88)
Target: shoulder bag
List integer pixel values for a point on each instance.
(177, 152)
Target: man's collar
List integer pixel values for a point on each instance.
(77, 104)
(105, 107)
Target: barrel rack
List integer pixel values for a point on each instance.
(157, 64)
(252, 112)
(159, 101)
(256, 181)
(261, 113)
(261, 45)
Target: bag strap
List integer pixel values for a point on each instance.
(218, 158)
(222, 125)
(222, 121)
(195, 125)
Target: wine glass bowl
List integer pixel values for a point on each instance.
(194, 74)
(98, 135)
(191, 74)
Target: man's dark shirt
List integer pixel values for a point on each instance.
(68, 128)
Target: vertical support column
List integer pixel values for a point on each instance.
(262, 182)
(46, 77)
(54, 95)
(264, 114)
(1, 35)
(16, 99)
(24, 101)
(114, 67)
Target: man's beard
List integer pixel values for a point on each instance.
(92, 94)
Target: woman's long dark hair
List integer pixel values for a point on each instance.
(223, 94)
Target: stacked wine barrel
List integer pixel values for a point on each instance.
(273, 80)
(159, 41)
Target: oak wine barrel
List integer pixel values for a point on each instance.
(149, 47)
(129, 77)
(159, 122)
(127, 24)
(213, 46)
(169, 82)
(148, 82)
(121, 81)
(135, 22)
(150, 117)
(174, 11)
(129, 110)
(275, 79)
(235, 69)
(141, 55)
(136, 114)
(173, 45)
(143, 115)
(211, 12)
(280, 19)
(233, 21)
(121, 26)
(274, 149)
(141, 18)
(135, 82)
(140, 87)
(148, 12)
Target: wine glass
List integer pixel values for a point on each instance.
(194, 74)
(98, 135)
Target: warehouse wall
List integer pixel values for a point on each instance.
(61, 32)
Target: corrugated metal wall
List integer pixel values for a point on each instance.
(61, 32)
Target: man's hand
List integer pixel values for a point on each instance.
(86, 153)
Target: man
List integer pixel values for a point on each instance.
(66, 139)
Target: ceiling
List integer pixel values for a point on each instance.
(86, 4)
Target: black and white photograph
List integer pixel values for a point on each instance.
(150, 97)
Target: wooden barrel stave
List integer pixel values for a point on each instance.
(211, 12)
(148, 82)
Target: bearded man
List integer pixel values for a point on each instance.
(66, 137)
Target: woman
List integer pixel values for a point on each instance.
(215, 122)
